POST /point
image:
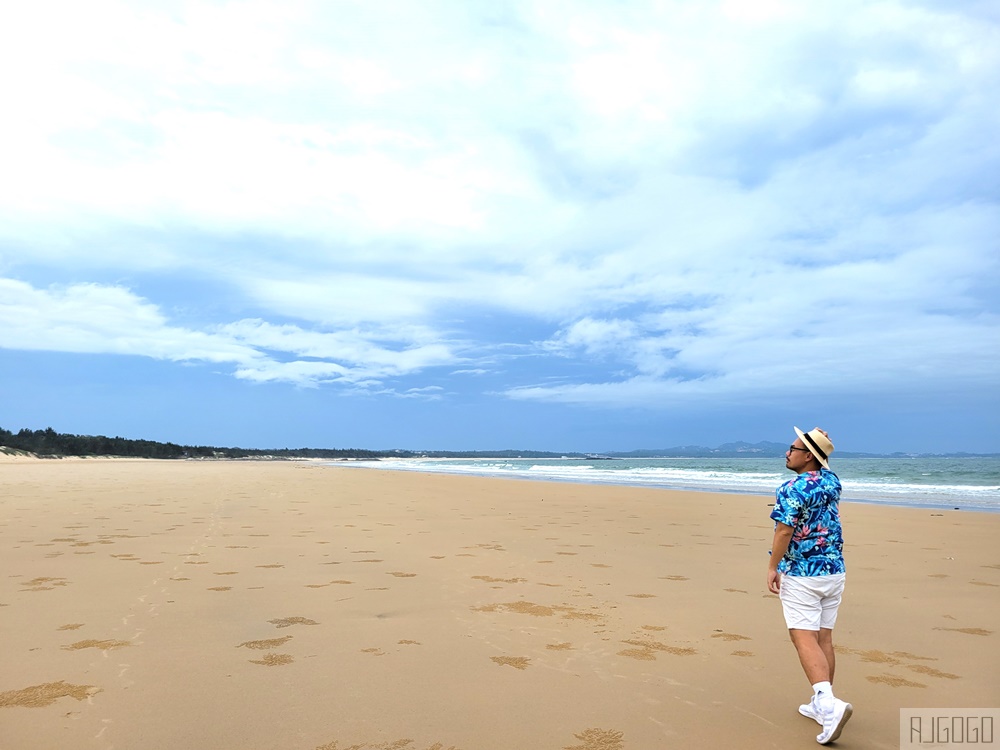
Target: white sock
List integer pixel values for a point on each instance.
(823, 692)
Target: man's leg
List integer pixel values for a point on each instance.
(826, 643)
(812, 656)
(833, 713)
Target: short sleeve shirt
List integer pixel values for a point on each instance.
(810, 505)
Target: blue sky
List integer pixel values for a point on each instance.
(549, 225)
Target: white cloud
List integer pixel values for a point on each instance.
(356, 348)
(93, 319)
(596, 337)
(877, 326)
(89, 318)
(685, 199)
(428, 393)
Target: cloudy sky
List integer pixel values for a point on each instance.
(471, 225)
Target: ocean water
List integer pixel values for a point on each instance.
(969, 483)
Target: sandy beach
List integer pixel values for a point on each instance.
(294, 606)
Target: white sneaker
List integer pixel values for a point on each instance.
(834, 721)
(811, 711)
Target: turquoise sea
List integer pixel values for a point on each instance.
(969, 483)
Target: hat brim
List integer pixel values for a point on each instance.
(808, 444)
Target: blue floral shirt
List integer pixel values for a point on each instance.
(810, 505)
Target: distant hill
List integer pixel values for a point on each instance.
(726, 450)
(766, 449)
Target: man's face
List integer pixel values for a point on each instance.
(798, 457)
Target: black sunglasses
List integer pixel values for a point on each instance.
(793, 448)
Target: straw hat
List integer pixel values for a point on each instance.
(818, 444)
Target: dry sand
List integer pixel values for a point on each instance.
(291, 606)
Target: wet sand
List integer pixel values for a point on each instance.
(288, 605)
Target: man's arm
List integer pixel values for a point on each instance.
(779, 546)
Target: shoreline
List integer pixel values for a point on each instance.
(929, 505)
(351, 463)
(374, 465)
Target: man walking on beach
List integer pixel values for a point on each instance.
(806, 570)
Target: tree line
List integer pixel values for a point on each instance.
(48, 442)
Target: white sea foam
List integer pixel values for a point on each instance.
(896, 481)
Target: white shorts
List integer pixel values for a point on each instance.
(811, 602)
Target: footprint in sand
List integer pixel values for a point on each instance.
(731, 637)
(931, 672)
(39, 696)
(392, 745)
(331, 583)
(45, 584)
(893, 681)
(897, 659)
(538, 610)
(518, 662)
(968, 631)
(289, 621)
(598, 739)
(872, 655)
(103, 645)
(274, 660)
(908, 655)
(647, 649)
(266, 644)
